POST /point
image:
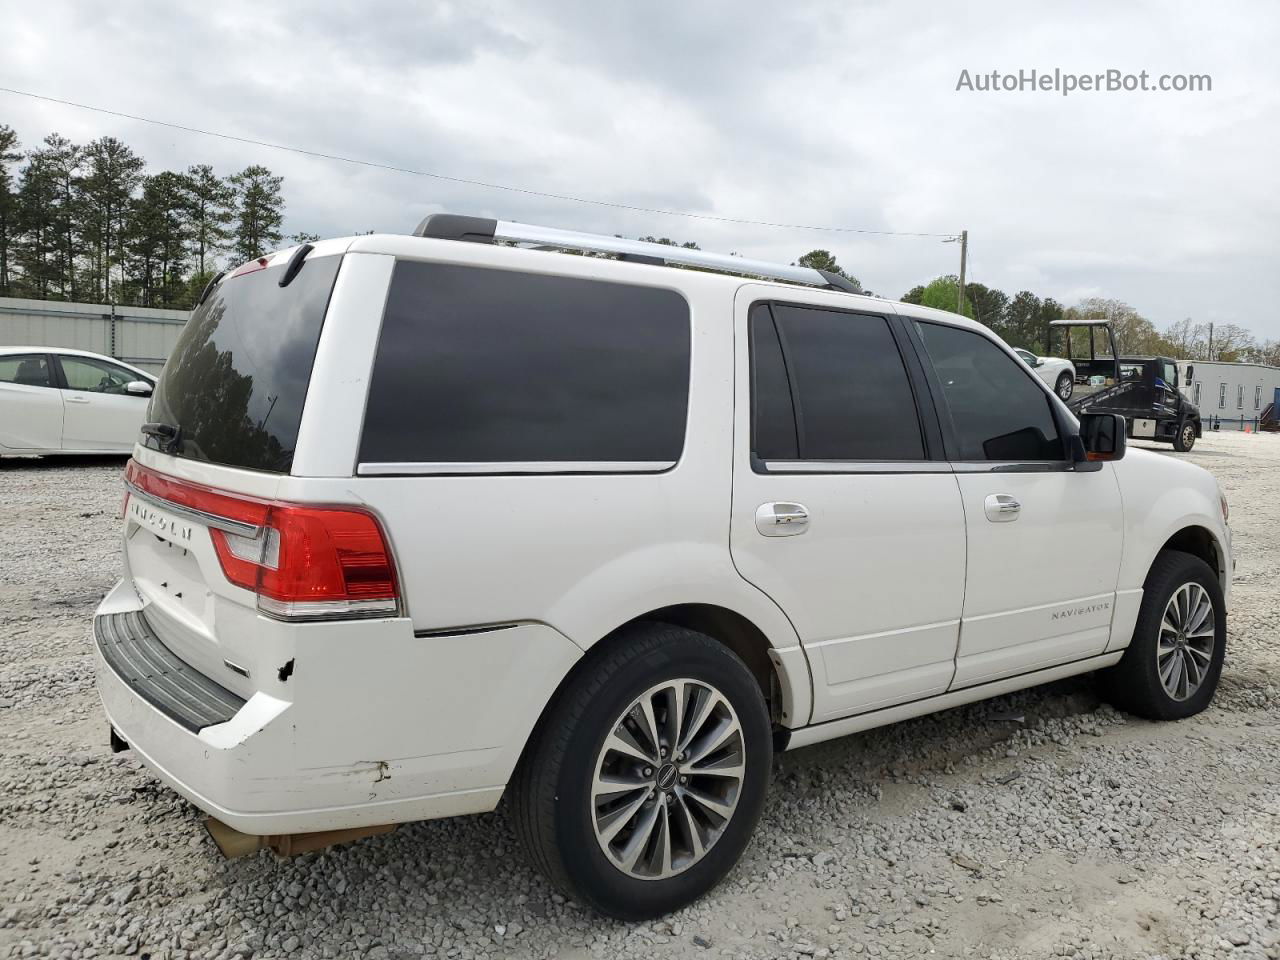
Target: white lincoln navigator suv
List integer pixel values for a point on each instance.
(418, 523)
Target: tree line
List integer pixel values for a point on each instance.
(88, 222)
(1023, 321)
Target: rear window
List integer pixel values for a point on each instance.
(491, 367)
(236, 381)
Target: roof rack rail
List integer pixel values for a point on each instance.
(451, 226)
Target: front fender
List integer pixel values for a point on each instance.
(1162, 497)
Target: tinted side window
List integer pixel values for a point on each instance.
(997, 410)
(493, 366)
(773, 419)
(29, 370)
(852, 398)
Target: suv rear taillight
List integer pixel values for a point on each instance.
(303, 562)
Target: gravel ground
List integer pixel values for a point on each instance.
(1042, 824)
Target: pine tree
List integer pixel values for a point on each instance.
(156, 242)
(209, 201)
(61, 160)
(36, 243)
(9, 154)
(259, 211)
(113, 173)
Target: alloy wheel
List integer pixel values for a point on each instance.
(667, 779)
(1184, 649)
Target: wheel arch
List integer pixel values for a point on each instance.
(744, 638)
(781, 673)
(1200, 542)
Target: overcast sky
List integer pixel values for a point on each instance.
(840, 114)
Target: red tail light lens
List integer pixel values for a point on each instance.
(303, 562)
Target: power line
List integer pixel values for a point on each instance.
(462, 180)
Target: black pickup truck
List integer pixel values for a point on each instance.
(1144, 390)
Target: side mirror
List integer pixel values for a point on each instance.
(1102, 437)
(1038, 362)
(139, 388)
(1190, 371)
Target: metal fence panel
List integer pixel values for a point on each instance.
(141, 336)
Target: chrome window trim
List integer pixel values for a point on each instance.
(857, 466)
(413, 469)
(918, 466)
(1013, 466)
(199, 516)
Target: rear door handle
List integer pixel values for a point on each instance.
(782, 519)
(1001, 508)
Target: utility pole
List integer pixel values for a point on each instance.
(964, 258)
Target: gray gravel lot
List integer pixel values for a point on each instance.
(1041, 824)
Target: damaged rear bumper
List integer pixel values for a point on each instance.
(139, 658)
(380, 726)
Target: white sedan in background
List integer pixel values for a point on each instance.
(1059, 374)
(54, 400)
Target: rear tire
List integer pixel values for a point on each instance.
(680, 817)
(1185, 438)
(1171, 668)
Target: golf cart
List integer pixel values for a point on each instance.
(1144, 390)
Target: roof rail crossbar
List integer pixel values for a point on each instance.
(447, 226)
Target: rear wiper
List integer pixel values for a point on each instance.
(208, 287)
(166, 435)
(295, 264)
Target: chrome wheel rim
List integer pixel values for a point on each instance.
(1188, 437)
(1064, 388)
(1184, 649)
(667, 779)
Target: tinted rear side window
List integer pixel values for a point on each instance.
(492, 366)
(852, 397)
(236, 381)
(773, 420)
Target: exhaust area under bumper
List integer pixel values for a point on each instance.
(234, 844)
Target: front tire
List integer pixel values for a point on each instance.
(1171, 668)
(1065, 387)
(645, 780)
(1185, 438)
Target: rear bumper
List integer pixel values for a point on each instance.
(385, 727)
(130, 648)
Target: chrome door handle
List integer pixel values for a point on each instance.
(782, 519)
(1001, 508)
